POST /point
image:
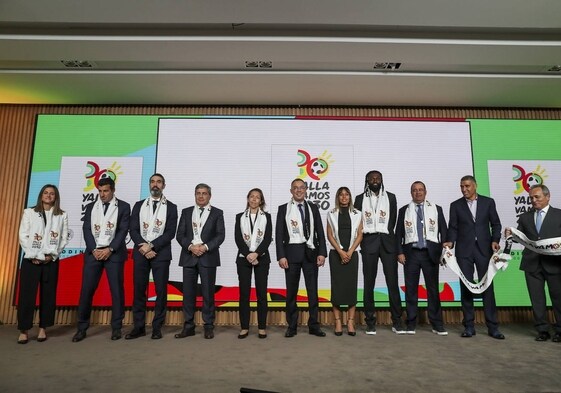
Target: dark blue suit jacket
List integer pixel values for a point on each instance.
(435, 249)
(162, 244)
(282, 238)
(212, 235)
(467, 233)
(118, 244)
(551, 227)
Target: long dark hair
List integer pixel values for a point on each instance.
(57, 211)
(262, 204)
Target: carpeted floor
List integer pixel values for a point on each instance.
(382, 363)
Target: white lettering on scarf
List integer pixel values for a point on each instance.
(153, 222)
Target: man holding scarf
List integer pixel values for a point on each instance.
(152, 228)
(379, 215)
(300, 246)
(420, 232)
(106, 224)
(475, 228)
(200, 234)
(543, 222)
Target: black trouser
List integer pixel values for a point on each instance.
(160, 272)
(208, 280)
(417, 261)
(370, 270)
(468, 265)
(245, 270)
(91, 275)
(292, 277)
(31, 278)
(536, 289)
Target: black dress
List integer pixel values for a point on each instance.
(344, 278)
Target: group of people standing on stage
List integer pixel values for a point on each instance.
(413, 237)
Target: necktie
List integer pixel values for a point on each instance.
(539, 219)
(302, 214)
(105, 207)
(202, 209)
(154, 206)
(420, 227)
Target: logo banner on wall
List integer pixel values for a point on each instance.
(78, 183)
(510, 182)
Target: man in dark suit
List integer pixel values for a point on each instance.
(106, 224)
(300, 244)
(420, 232)
(379, 215)
(200, 234)
(543, 222)
(475, 228)
(152, 251)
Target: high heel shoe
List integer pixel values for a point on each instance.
(338, 332)
(243, 335)
(349, 331)
(262, 333)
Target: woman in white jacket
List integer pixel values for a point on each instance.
(43, 234)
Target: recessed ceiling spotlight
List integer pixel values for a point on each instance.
(265, 64)
(77, 63)
(258, 64)
(386, 66)
(555, 68)
(251, 64)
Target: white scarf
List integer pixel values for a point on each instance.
(41, 239)
(550, 246)
(333, 219)
(104, 226)
(198, 221)
(430, 223)
(253, 238)
(499, 261)
(153, 223)
(375, 212)
(296, 226)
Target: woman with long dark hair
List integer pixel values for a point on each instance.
(43, 234)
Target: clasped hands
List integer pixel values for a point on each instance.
(146, 250)
(48, 258)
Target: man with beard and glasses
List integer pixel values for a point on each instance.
(152, 228)
(379, 216)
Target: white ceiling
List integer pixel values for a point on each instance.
(476, 53)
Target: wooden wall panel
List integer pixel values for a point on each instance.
(17, 125)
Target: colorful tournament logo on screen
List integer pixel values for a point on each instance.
(79, 177)
(313, 170)
(94, 174)
(525, 180)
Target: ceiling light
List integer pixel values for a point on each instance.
(77, 63)
(555, 68)
(386, 66)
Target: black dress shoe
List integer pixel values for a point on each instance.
(468, 333)
(497, 335)
(262, 335)
(556, 338)
(241, 336)
(543, 336)
(317, 332)
(135, 333)
(186, 332)
(290, 333)
(156, 334)
(79, 336)
(116, 334)
(209, 333)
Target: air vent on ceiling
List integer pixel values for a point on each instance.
(77, 63)
(555, 68)
(258, 64)
(386, 66)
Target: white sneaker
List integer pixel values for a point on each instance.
(440, 332)
(371, 330)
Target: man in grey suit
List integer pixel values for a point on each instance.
(543, 222)
(200, 234)
(475, 228)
